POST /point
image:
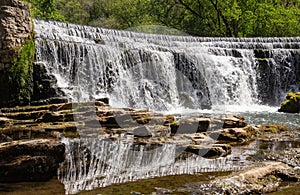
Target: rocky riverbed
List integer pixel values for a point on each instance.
(31, 150)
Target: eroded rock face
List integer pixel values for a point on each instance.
(34, 160)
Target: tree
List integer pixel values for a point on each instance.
(231, 18)
(45, 9)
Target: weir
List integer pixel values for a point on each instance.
(161, 72)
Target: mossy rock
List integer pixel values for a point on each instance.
(273, 128)
(291, 104)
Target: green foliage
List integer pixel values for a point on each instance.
(233, 18)
(45, 9)
(21, 72)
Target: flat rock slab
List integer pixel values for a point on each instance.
(263, 178)
(34, 160)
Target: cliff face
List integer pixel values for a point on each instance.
(15, 29)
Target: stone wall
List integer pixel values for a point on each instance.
(16, 53)
(15, 29)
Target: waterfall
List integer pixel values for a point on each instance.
(161, 72)
(95, 163)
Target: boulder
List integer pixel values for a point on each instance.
(34, 160)
(291, 104)
(190, 125)
(240, 135)
(210, 151)
(234, 121)
(273, 128)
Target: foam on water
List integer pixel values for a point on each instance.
(165, 73)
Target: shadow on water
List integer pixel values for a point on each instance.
(52, 187)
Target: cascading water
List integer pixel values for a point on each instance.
(162, 72)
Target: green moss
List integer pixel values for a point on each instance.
(20, 79)
(273, 128)
(71, 135)
(292, 104)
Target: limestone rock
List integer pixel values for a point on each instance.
(34, 160)
(234, 121)
(262, 178)
(190, 125)
(273, 128)
(234, 134)
(210, 151)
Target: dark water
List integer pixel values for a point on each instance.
(52, 187)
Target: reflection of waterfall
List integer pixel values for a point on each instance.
(165, 72)
(93, 163)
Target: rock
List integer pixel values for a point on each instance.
(234, 121)
(51, 117)
(190, 125)
(99, 41)
(210, 151)
(52, 100)
(292, 103)
(45, 88)
(240, 135)
(273, 128)
(142, 131)
(4, 138)
(262, 178)
(4, 121)
(34, 160)
(104, 100)
(261, 54)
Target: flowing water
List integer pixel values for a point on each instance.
(181, 75)
(162, 72)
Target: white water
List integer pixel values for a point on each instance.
(171, 74)
(167, 73)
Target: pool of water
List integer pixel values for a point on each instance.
(254, 114)
(194, 165)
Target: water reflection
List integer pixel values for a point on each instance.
(93, 163)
